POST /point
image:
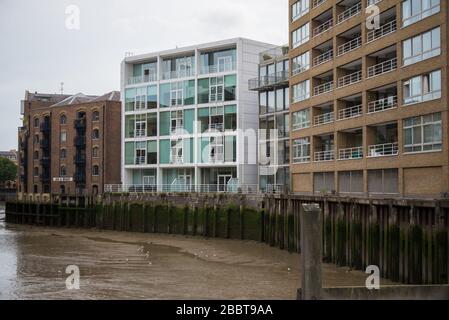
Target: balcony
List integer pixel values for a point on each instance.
(323, 58)
(46, 127)
(350, 153)
(349, 46)
(323, 88)
(142, 79)
(383, 31)
(278, 79)
(350, 112)
(323, 28)
(350, 12)
(79, 159)
(323, 118)
(382, 68)
(350, 79)
(80, 123)
(322, 156)
(383, 104)
(383, 150)
(80, 141)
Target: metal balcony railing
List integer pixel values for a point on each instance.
(383, 104)
(142, 79)
(382, 150)
(324, 57)
(316, 3)
(324, 156)
(323, 27)
(323, 118)
(350, 112)
(350, 79)
(350, 12)
(382, 68)
(323, 88)
(349, 46)
(350, 153)
(384, 30)
(218, 68)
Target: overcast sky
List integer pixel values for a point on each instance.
(38, 52)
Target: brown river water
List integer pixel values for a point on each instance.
(119, 265)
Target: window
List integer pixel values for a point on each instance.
(63, 119)
(423, 133)
(36, 171)
(95, 170)
(301, 91)
(36, 122)
(95, 116)
(176, 120)
(422, 47)
(95, 152)
(63, 154)
(301, 119)
(301, 35)
(301, 63)
(299, 8)
(96, 134)
(63, 136)
(63, 171)
(36, 155)
(416, 10)
(301, 150)
(423, 88)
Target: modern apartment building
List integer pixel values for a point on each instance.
(369, 105)
(186, 112)
(69, 145)
(274, 136)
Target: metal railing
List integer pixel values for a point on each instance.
(218, 68)
(350, 12)
(142, 79)
(323, 27)
(349, 46)
(182, 188)
(384, 30)
(382, 68)
(383, 104)
(322, 156)
(382, 150)
(350, 153)
(350, 112)
(316, 3)
(323, 88)
(324, 57)
(323, 118)
(350, 79)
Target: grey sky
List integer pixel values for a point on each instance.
(37, 52)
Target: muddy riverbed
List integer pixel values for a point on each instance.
(116, 265)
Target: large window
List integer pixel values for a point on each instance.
(300, 8)
(301, 91)
(422, 47)
(301, 119)
(301, 63)
(423, 88)
(301, 150)
(301, 35)
(423, 133)
(416, 10)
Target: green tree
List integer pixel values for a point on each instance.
(8, 170)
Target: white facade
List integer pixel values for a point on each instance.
(198, 98)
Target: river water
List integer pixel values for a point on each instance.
(118, 265)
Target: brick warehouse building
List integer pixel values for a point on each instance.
(369, 108)
(68, 145)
